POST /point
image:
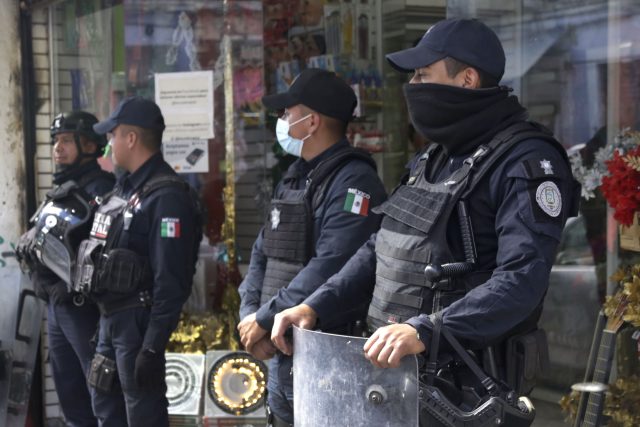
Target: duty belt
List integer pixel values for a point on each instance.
(139, 299)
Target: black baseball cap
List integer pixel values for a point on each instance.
(321, 90)
(134, 111)
(467, 40)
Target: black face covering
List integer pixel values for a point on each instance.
(460, 119)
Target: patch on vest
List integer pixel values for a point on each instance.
(170, 228)
(549, 198)
(357, 202)
(275, 218)
(101, 225)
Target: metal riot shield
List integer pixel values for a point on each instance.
(20, 321)
(334, 385)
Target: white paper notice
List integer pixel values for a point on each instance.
(186, 101)
(187, 155)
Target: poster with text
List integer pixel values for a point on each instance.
(186, 101)
(187, 155)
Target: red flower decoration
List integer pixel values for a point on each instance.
(622, 187)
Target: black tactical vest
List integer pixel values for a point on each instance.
(102, 267)
(416, 272)
(288, 240)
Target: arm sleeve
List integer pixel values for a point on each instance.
(347, 294)
(250, 289)
(527, 242)
(341, 234)
(172, 260)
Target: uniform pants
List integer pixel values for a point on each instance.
(280, 387)
(121, 336)
(71, 329)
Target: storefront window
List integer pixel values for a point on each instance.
(574, 65)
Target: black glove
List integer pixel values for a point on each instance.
(149, 371)
(25, 251)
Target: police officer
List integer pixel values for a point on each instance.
(138, 265)
(470, 236)
(72, 319)
(319, 216)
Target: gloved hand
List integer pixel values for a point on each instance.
(25, 251)
(149, 370)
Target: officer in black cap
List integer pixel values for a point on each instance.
(471, 234)
(65, 216)
(138, 265)
(319, 216)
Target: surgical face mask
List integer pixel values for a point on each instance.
(288, 143)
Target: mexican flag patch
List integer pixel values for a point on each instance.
(357, 202)
(170, 227)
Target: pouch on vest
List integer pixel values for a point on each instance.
(526, 356)
(123, 271)
(103, 373)
(88, 258)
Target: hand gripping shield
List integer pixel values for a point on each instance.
(335, 385)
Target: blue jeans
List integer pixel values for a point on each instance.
(121, 336)
(70, 352)
(280, 387)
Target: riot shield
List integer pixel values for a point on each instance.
(20, 321)
(334, 385)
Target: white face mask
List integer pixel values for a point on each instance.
(288, 143)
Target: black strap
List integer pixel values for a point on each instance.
(486, 155)
(320, 178)
(439, 329)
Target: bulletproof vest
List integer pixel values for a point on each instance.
(103, 267)
(416, 272)
(288, 240)
(60, 223)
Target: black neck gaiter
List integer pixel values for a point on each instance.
(460, 119)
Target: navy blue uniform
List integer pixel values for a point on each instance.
(128, 328)
(72, 323)
(516, 244)
(337, 234)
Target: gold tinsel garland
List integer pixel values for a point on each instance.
(199, 333)
(623, 396)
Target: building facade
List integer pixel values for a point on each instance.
(574, 64)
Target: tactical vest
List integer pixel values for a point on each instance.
(288, 240)
(61, 222)
(102, 267)
(416, 272)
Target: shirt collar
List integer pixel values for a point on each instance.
(311, 164)
(131, 182)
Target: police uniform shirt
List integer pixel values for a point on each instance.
(163, 229)
(337, 234)
(516, 231)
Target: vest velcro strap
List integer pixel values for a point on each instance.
(398, 298)
(415, 255)
(403, 277)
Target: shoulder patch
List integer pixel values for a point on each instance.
(170, 227)
(549, 198)
(357, 202)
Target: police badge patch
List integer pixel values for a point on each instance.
(549, 198)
